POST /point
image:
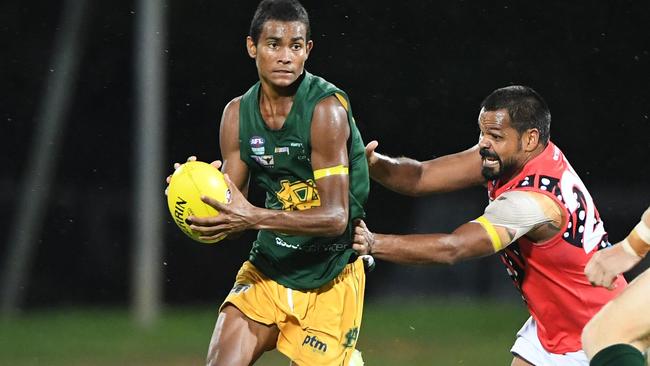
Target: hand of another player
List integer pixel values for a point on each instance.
(371, 156)
(216, 164)
(606, 264)
(236, 216)
(364, 240)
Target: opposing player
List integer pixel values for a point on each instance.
(293, 134)
(620, 331)
(541, 220)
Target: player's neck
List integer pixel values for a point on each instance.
(275, 108)
(276, 93)
(279, 94)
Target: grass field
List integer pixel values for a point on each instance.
(393, 333)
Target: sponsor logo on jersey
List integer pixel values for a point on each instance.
(283, 243)
(280, 150)
(334, 247)
(315, 344)
(240, 287)
(313, 248)
(257, 145)
(264, 160)
(301, 151)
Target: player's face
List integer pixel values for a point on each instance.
(500, 144)
(280, 52)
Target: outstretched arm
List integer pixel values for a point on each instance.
(512, 215)
(414, 178)
(469, 240)
(329, 133)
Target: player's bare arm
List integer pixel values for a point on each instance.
(329, 133)
(468, 241)
(233, 166)
(554, 214)
(235, 170)
(415, 178)
(516, 214)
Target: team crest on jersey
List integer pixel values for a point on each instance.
(264, 160)
(298, 195)
(257, 145)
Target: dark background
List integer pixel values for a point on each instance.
(416, 73)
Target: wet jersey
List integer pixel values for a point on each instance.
(550, 275)
(280, 163)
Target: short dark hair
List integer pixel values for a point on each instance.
(282, 10)
(526, 108)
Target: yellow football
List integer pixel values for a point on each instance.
(188, 183)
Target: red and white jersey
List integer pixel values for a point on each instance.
(550, 274)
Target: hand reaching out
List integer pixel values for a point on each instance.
(606, 264)
(364, 240)
(371, 156)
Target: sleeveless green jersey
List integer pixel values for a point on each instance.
(280, 162)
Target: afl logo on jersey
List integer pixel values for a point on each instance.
(257, 145)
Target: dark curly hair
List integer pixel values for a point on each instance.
(282, 10)
(527, 109)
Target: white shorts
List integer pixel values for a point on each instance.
(528, 347)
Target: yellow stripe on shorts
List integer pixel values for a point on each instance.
(492, 233)
(326, 172)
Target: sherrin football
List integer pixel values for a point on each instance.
(188, 183)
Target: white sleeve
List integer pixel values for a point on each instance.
(516, 210)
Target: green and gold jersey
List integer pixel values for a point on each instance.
(280, 163)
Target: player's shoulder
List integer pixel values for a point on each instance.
(330, 109)
(234, 103)
(231, 111)
(330, 101)
(527, 199)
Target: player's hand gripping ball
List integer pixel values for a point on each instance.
(188, 183)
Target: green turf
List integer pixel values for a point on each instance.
(393, 333)
(439, 333)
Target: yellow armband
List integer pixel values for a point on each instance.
(492, 233)
(326, 172)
